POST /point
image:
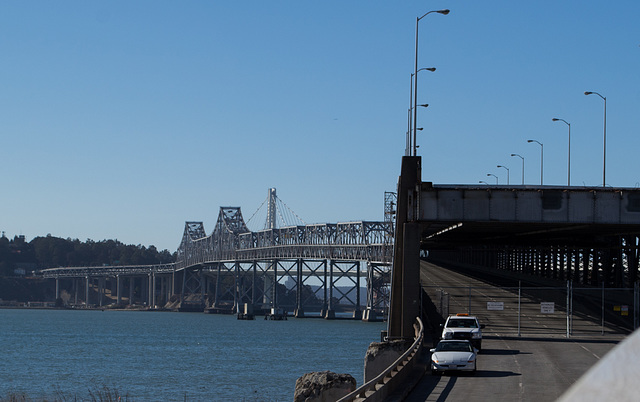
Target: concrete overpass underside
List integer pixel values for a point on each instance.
(589, 235)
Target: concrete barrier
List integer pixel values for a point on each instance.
(378, 388)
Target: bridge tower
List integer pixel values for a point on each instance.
(271, 209)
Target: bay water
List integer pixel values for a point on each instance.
(164, 356)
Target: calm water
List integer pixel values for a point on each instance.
(155, 356)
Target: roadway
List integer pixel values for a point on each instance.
(533, 361)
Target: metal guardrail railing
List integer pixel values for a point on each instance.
(378, 388)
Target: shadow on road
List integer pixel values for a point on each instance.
(503, 352)
(495, 373)
(610, 340)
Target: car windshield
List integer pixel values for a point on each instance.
(462, 323)
(454, 347)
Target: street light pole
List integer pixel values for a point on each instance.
(491, 174)
(541, 158)
(409, 146)
(500, 166)
(415, 80)
(521, 157)
(569, 156)
(604, 146)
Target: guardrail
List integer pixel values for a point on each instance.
(378, 388)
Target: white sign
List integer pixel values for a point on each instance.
(547, 307)
(498, 306)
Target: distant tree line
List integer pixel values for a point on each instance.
(50, 252)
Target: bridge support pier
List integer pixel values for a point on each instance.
(131, 290)
(118, 290)
(86, 291)
(405, 282)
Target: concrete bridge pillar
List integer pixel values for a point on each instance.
(330, 313)
(131, 290)
(100, 291)
(118, 289)
(86, 291)
(152, 290)
(405, 281)
(299, 312)
(57, 288)
(357, 314)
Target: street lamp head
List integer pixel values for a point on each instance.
(588, 92)
(432, 69)
(530, 140)
(419, 128)
(424, 105)
(443, 12)
(554, 119)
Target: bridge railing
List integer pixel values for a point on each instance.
(378, 388)
(108, 270)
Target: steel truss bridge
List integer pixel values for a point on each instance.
(318, 269)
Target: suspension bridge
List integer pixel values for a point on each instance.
(328, 270)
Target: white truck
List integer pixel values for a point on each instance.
(463, 326)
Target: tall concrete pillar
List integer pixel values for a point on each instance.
(100, 291)
(131, 290)
(216, 297)
(330, 314)
(152, 290)
(357, 314)
(118, 289)
(86, 291)
(405, 280)
(299, 308)
(76, 285)
(57, 288)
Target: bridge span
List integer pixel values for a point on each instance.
(317, 269)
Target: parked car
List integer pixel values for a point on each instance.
(463, 326)
(453, 355)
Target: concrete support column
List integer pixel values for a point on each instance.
(152, 290)
(100, 291)
(299, 309)
(76, 285)
(118, 289)
(131, 290)
(216, 297)
(57, 288)
(357, 314)
(330, 314)
(405, 281)
(86, 291)
(325, 304)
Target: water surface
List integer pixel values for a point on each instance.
(172, 356)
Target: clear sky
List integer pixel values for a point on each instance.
(124, 119)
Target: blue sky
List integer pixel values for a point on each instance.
(124, 119)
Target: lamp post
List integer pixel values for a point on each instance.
(568, 156)
(541, 158)
(604, 146)
(483, 182)
(407, 151)
(415, 79)
(500, 166)
(521, 157)
(491, 174)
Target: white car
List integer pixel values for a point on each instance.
(464, 327)
(453, 355)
